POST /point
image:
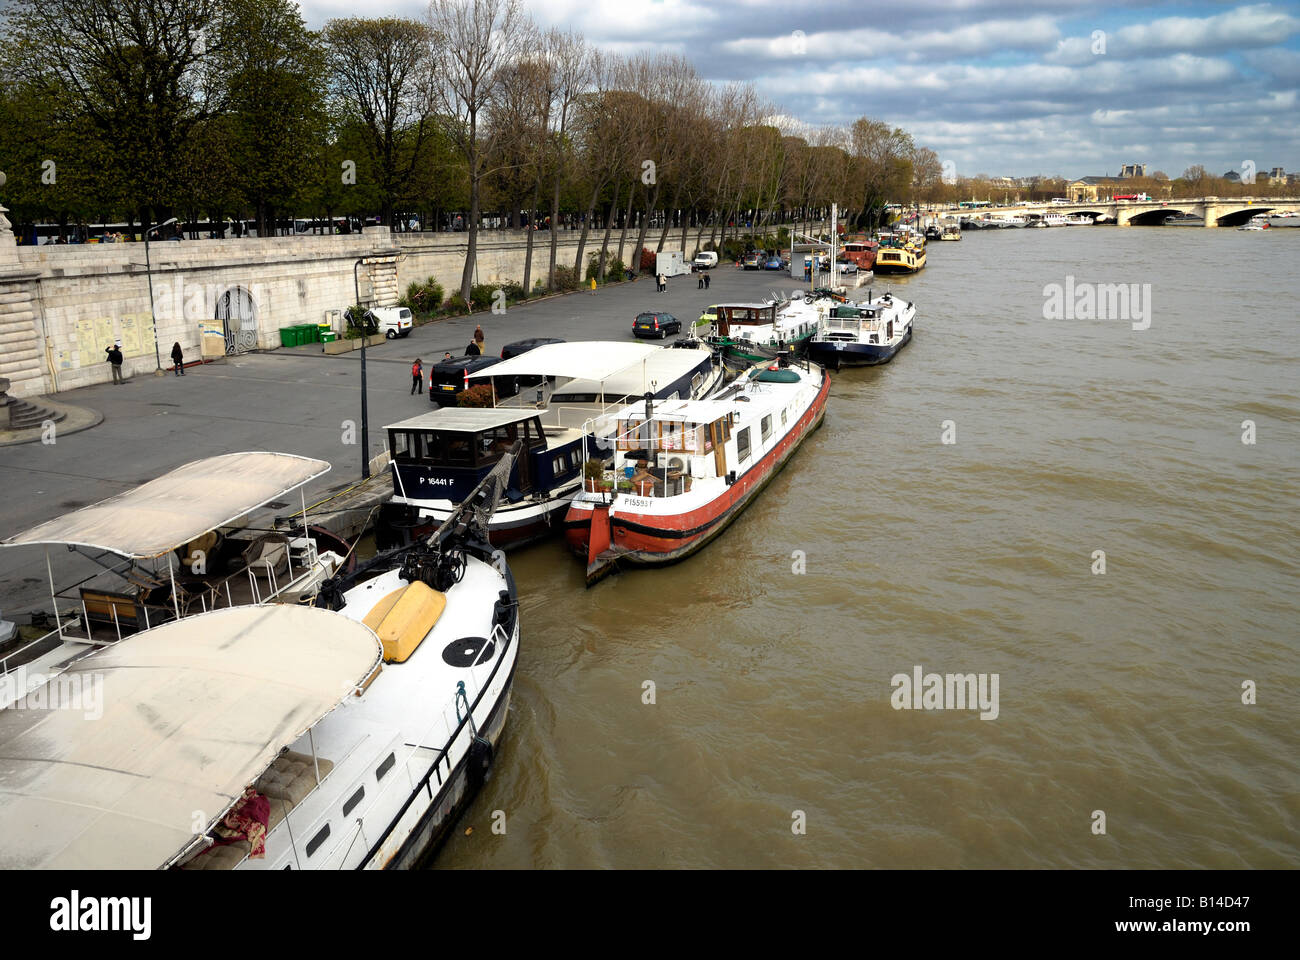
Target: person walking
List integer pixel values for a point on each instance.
(478, 339)
(699, 280)
(115, 360)
(593, 286)
(178, 358)
(472, 349)
(446, 356)
(417, 376)
(708, 278)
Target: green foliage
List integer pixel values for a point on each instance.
(615, 270)
(455, 305)
(481, 294)
(423, 299)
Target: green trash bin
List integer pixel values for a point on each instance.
(288, 336)
(312, 332)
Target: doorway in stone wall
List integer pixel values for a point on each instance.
(237, 314)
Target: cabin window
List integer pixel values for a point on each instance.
(457, 449)
(742, 443)
(697, 381)
(314, 843)
(493, 443)
(353, 800)
(401, 445)
(559, 463)
(767, 426)
(384, 767)
(783, 418)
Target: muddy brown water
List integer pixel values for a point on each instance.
(1118, 692)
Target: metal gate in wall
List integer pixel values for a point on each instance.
(238, 316)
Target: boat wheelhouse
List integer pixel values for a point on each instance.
(440, 456)
(683, 470)
(860, 249)
(950, 232)
(182, 544)
(864, 334)
(749, 333)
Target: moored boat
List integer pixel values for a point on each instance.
(899, 256)
(276, 736)
(864, 334)
(950, 232)
(746, 333)
(683, 470)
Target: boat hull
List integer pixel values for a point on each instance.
(836, 354)
(645, 540)
(458, 790)
(510, 527)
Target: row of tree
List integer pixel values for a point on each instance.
(140, 110)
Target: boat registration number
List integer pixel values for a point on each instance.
(636, 502)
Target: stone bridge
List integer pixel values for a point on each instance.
(1217, 211)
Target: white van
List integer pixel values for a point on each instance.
(393, 321)
(705, 260)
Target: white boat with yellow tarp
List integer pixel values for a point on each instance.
(346, 735)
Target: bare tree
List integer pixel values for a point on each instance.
(474, 39)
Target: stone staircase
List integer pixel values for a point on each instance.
(18, 414)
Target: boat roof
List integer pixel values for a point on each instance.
(663, 366)
(163, 514)
(149, 742)
(464, 419)
(589, 359)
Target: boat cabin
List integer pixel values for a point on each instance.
(727, 315)
(442, 455)
(658, 455)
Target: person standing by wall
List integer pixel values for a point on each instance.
(115, 361)
(417, 376)
(178, 358)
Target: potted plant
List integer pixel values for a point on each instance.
(593, 473)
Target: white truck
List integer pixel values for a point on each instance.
(671, 264)
(392, 321)
(705, 260)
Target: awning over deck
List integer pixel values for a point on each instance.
(587, 360)
(163, 514)
(123, 759)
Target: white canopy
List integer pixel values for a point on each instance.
(179, 506)
(589, 360)
(124, 758)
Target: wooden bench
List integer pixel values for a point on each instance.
(121, 611)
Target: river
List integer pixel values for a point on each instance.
(772, 741)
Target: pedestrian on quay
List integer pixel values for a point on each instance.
(417, 376)
(699, 280)
(115, 361)
(472, 350)
(708, 278)
(446, 356)
(178, 358)
(593, 286)
(478, 339)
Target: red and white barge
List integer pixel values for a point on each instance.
(682, 470)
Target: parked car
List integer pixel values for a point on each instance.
(774, 263)
(448, 378)
(656, 325)
(705, 260)
(523, 346)
(752, 261)
(846, 266)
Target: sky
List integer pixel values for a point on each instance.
(1055, 87)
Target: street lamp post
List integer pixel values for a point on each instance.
(148, 269)
(365, 418)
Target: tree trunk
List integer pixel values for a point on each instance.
(663, 237)
(645, 227)
(471, 228)
(586, 227)
(622, 237)
(609, 226)
(528, 257)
